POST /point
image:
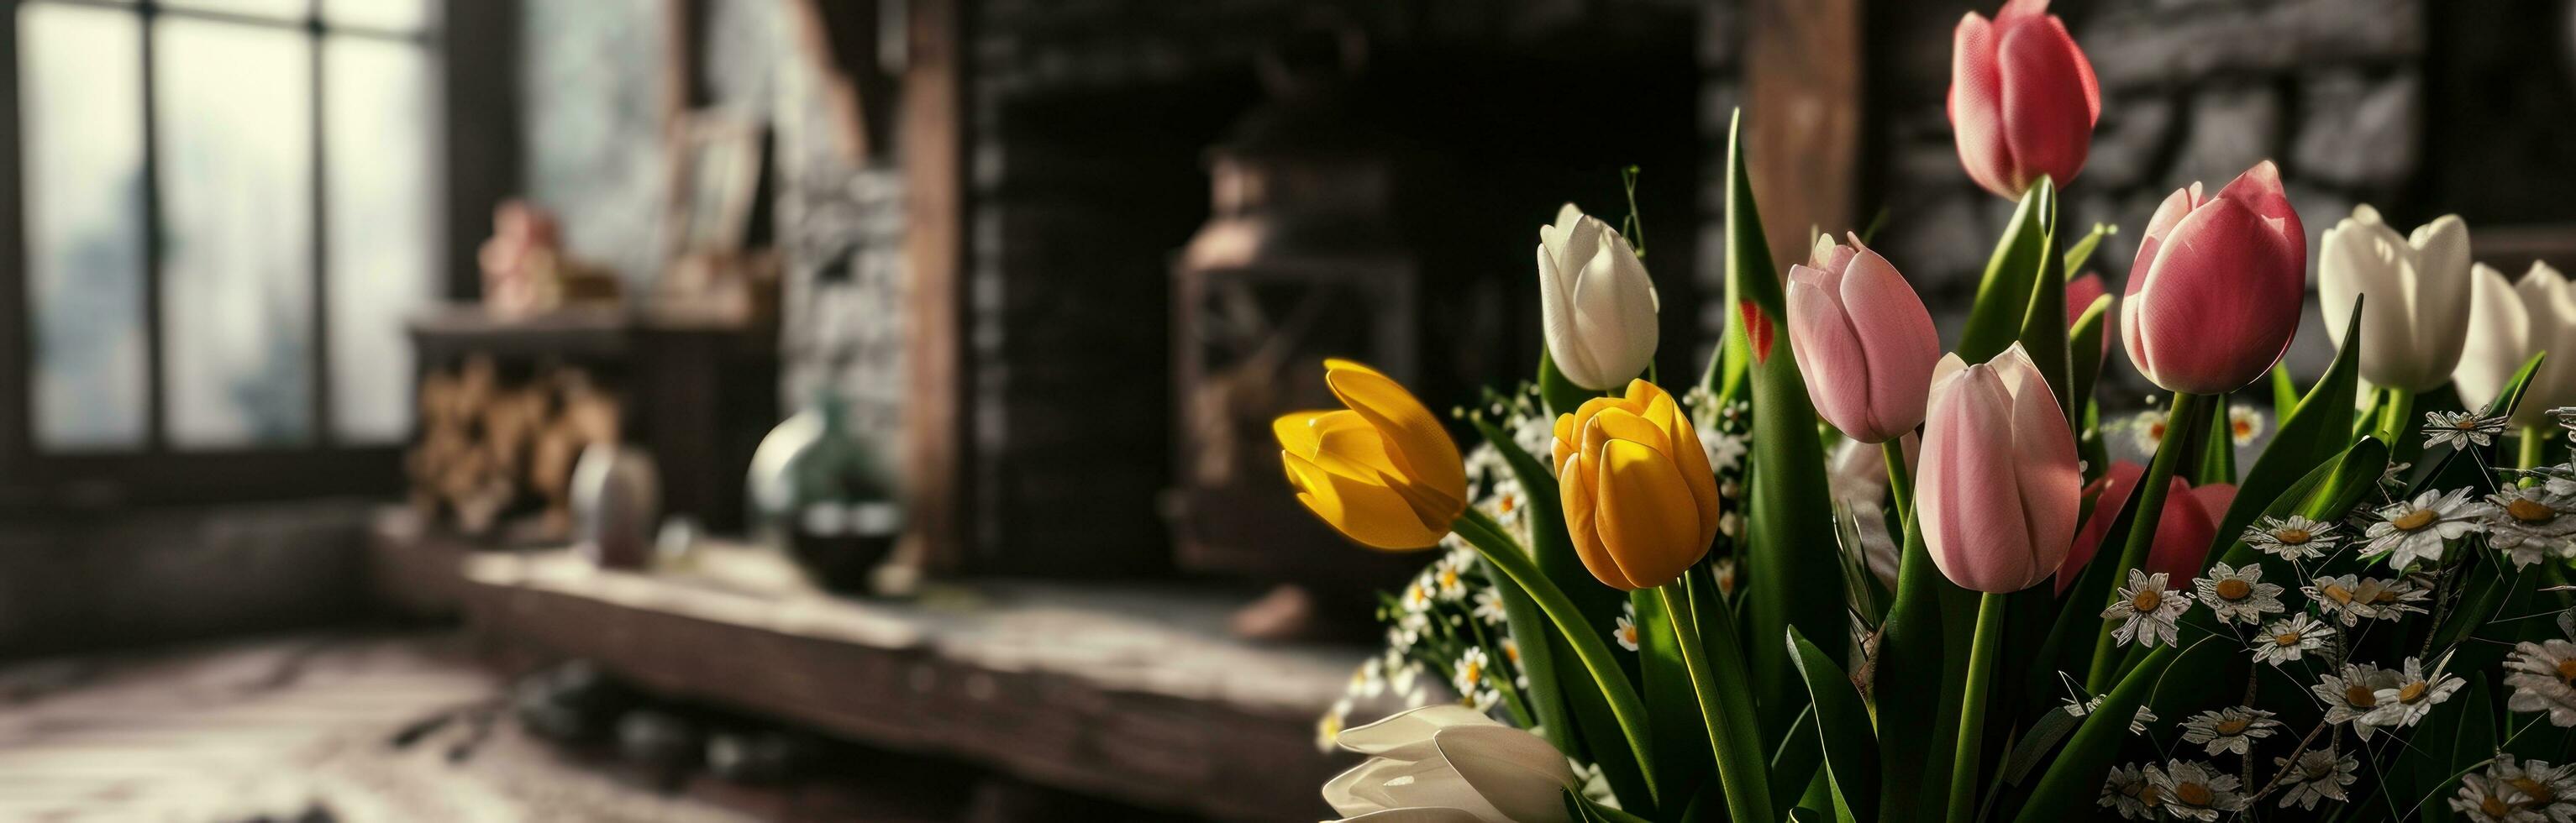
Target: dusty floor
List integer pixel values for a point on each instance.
(288, 729)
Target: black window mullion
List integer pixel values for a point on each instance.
(320, 353)
(156, 406)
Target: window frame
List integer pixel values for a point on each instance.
(156, 472)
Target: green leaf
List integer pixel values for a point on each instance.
(2218, 447)
(1911, 656)
(1559, 393)
(2082, 249)
(2003, 296)
(1843, 727)
(2043, 322)
(2084, 345)
(1550, 546)
(1681, 748)
(1794, 763)
(2285, 393)
(1788, 530)
(2317, 428)
(1584, 810)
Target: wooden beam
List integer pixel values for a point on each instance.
(935, 247)
(1803, 87)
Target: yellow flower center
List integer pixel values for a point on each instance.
(2338, 594)
(2360, 696)
(2286, 639)
(2538, 792)
(2530, 512)
(2234, 725)
(1471, 673)
(2413, 520)
(2412, 692)
(2149, 795)
(2146, 600)
(2384, 596)
(2494, 806)
(2316, 767)
(2567, 671)
(2193, 794)
(2293, 536)
(2234, 589)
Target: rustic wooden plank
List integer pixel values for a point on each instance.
(1803, 93)
(933, 142)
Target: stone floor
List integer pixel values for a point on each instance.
(299, 728)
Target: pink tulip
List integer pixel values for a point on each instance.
(2216, 290)
(2022, 98)
(2183, 534)
(1998, 486)
(2080, 294)
(1863, 340)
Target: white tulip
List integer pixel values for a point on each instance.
(2417, 312)
(1450, 764)
(2508, 323)
(1595, 302)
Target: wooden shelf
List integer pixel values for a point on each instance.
(1137, 695)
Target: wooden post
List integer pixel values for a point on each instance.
(1803, 75)
(935, 238)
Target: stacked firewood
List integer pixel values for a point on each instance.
(491, 449)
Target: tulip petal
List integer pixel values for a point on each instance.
(1614, 308)
(2441, 296)
(1901, 347)
(1296, 431)
(2043, 94)
(1967, 495)
(1575, 482)
(1372, 515)
(1410, 727)
(1620, 424)
(1414, 814)
(1646, 515)
(1520, 774)
(1830, 353)
(2051, 485)
(2366, 257)
(1976, 106)
(2499, 339)
(2109, 493)
(1415, 439)
(2219, 302)
(1688, 458)
(1389, 783)
(2183, 534)
(1556, 312)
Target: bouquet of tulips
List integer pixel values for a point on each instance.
(1844, 576)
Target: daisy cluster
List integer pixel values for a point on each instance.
(2407, 555)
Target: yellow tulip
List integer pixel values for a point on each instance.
(1640, 501)
(1382, 471)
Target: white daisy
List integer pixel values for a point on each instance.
(2353, 695)
(1406, 631)
(1725, 451)
(2549, 790)
(2238, 595)
(1448, 579)
(1469, 675)
(2461, 429)
(2351, 599)
(1626, 631)
(1405, 682)
(1724, 570)
(2289, 638)
(2127, 790)
(2530, 523)
(2147, 610)
(2416, 529)
(1369, 680)
(2147, 430)
(2543, 678)
(2232, 729)
(1419, 594)
(2319, 774)
(2412, 696)
(2485, 800)
(1328, 728)
(2138, 720)
(2243, 424)
(1512, 654)
(2193, 790)
(2292, 537)
(1489, 607)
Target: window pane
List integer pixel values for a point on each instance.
(397, 15)
(264, 8)
(376, 146)
(236, 188)
(82, 99)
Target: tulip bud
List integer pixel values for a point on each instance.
(2080, 294)
(1450, 764)
(1640, 500)
(2216, 290)
(1595, 302)
(2417, 314)
(1998, 487)
(1863, 340)
(2184, 531)
(2022, 98)
(2508, 323)
(1382, 471)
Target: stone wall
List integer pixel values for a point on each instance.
(2332, 90)
(72, 581)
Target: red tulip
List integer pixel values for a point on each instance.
(1999, 485)
(2022, 98)
(2216, 289)
(1863, 340)
(2183, 534)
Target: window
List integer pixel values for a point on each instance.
(226, 207)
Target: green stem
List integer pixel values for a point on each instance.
(2392, 416)
(2535, 443)
(2182, 424)
(1900, 480)
(1972, 709)
(1734, 736)
(1507, 557)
